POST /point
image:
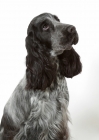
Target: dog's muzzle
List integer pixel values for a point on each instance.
(74, 36)
(70, 36)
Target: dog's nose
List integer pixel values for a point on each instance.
(71, 29)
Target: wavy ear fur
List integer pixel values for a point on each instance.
(69, 63)
(40, 71)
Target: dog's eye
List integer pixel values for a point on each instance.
(45, 27)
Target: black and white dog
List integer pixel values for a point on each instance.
(37, 109)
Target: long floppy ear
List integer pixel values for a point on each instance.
(69, 63)
(40, 72)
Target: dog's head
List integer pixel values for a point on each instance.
(57, 36)
(48, 38)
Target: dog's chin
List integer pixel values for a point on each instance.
(58, 52)
(69, 47)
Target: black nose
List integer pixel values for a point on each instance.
(71, 29)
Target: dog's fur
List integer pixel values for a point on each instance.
(37, 109)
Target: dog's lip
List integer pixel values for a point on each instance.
(75, 40)
(69, 47)
(60, 51)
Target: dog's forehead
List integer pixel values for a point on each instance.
(42, 17)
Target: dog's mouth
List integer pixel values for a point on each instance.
(75, 39)
(67, 46)
(60, 51)
(69, 41)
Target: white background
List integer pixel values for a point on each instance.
(15, 16)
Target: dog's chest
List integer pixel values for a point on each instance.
(46, 106)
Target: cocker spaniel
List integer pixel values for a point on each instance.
(37, 109)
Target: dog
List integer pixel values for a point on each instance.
(38, 107)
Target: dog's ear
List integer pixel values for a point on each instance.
(40, 71)
(69, 63)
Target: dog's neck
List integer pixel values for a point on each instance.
(55, 61)
(59, 77)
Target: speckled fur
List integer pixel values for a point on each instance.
(44, 110)
(38, 107)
